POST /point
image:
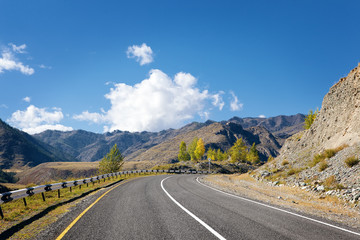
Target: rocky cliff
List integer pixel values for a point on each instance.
(317, 156)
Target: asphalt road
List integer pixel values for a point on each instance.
(178, 207)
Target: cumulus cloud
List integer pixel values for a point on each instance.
(8, 62)
(27, 99)
(154, 104)
(142, 54)
(235, 105)
(35, 120)
(262, 116)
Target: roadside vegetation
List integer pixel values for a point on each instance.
(112, 162)
(238, 153)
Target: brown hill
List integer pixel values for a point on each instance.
(57, 171)
(216, 135)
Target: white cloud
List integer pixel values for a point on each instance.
(27, 99)
(218, 101)
(143, 53)
(44, 66)
(235, 105)
(154, 104)
(35, 120)
(18, 49)
(9, 63)
(3, 106)
(93, 117)
(262, 116)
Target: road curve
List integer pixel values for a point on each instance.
(155, 208)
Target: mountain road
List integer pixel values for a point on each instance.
(181, 207)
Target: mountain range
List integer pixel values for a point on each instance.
(19, 149)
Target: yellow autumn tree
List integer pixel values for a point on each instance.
(200, 149)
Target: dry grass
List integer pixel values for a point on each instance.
(73, 165)
(332, 183)
(351, 161)
(326, 154)
(330, 207)
(13, 185)
(285, 162)
(323, 165)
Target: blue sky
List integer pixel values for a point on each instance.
(152, 65)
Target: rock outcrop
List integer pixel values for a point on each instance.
(335, 134)
(336, 124)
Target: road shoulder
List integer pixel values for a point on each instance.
(295, 199)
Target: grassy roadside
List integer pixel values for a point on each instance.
(330, 207)
(25, 222)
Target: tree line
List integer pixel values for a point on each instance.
(239, 152)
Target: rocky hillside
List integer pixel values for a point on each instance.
(317, 157)
(19, 149)
(281, 127)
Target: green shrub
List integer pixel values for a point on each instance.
(351, 161)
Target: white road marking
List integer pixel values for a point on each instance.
(191, 214)
(279, 209)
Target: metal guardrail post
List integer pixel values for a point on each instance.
(25, 202)
(43, 196)
(1, 213)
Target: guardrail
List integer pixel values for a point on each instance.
(26, 192)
